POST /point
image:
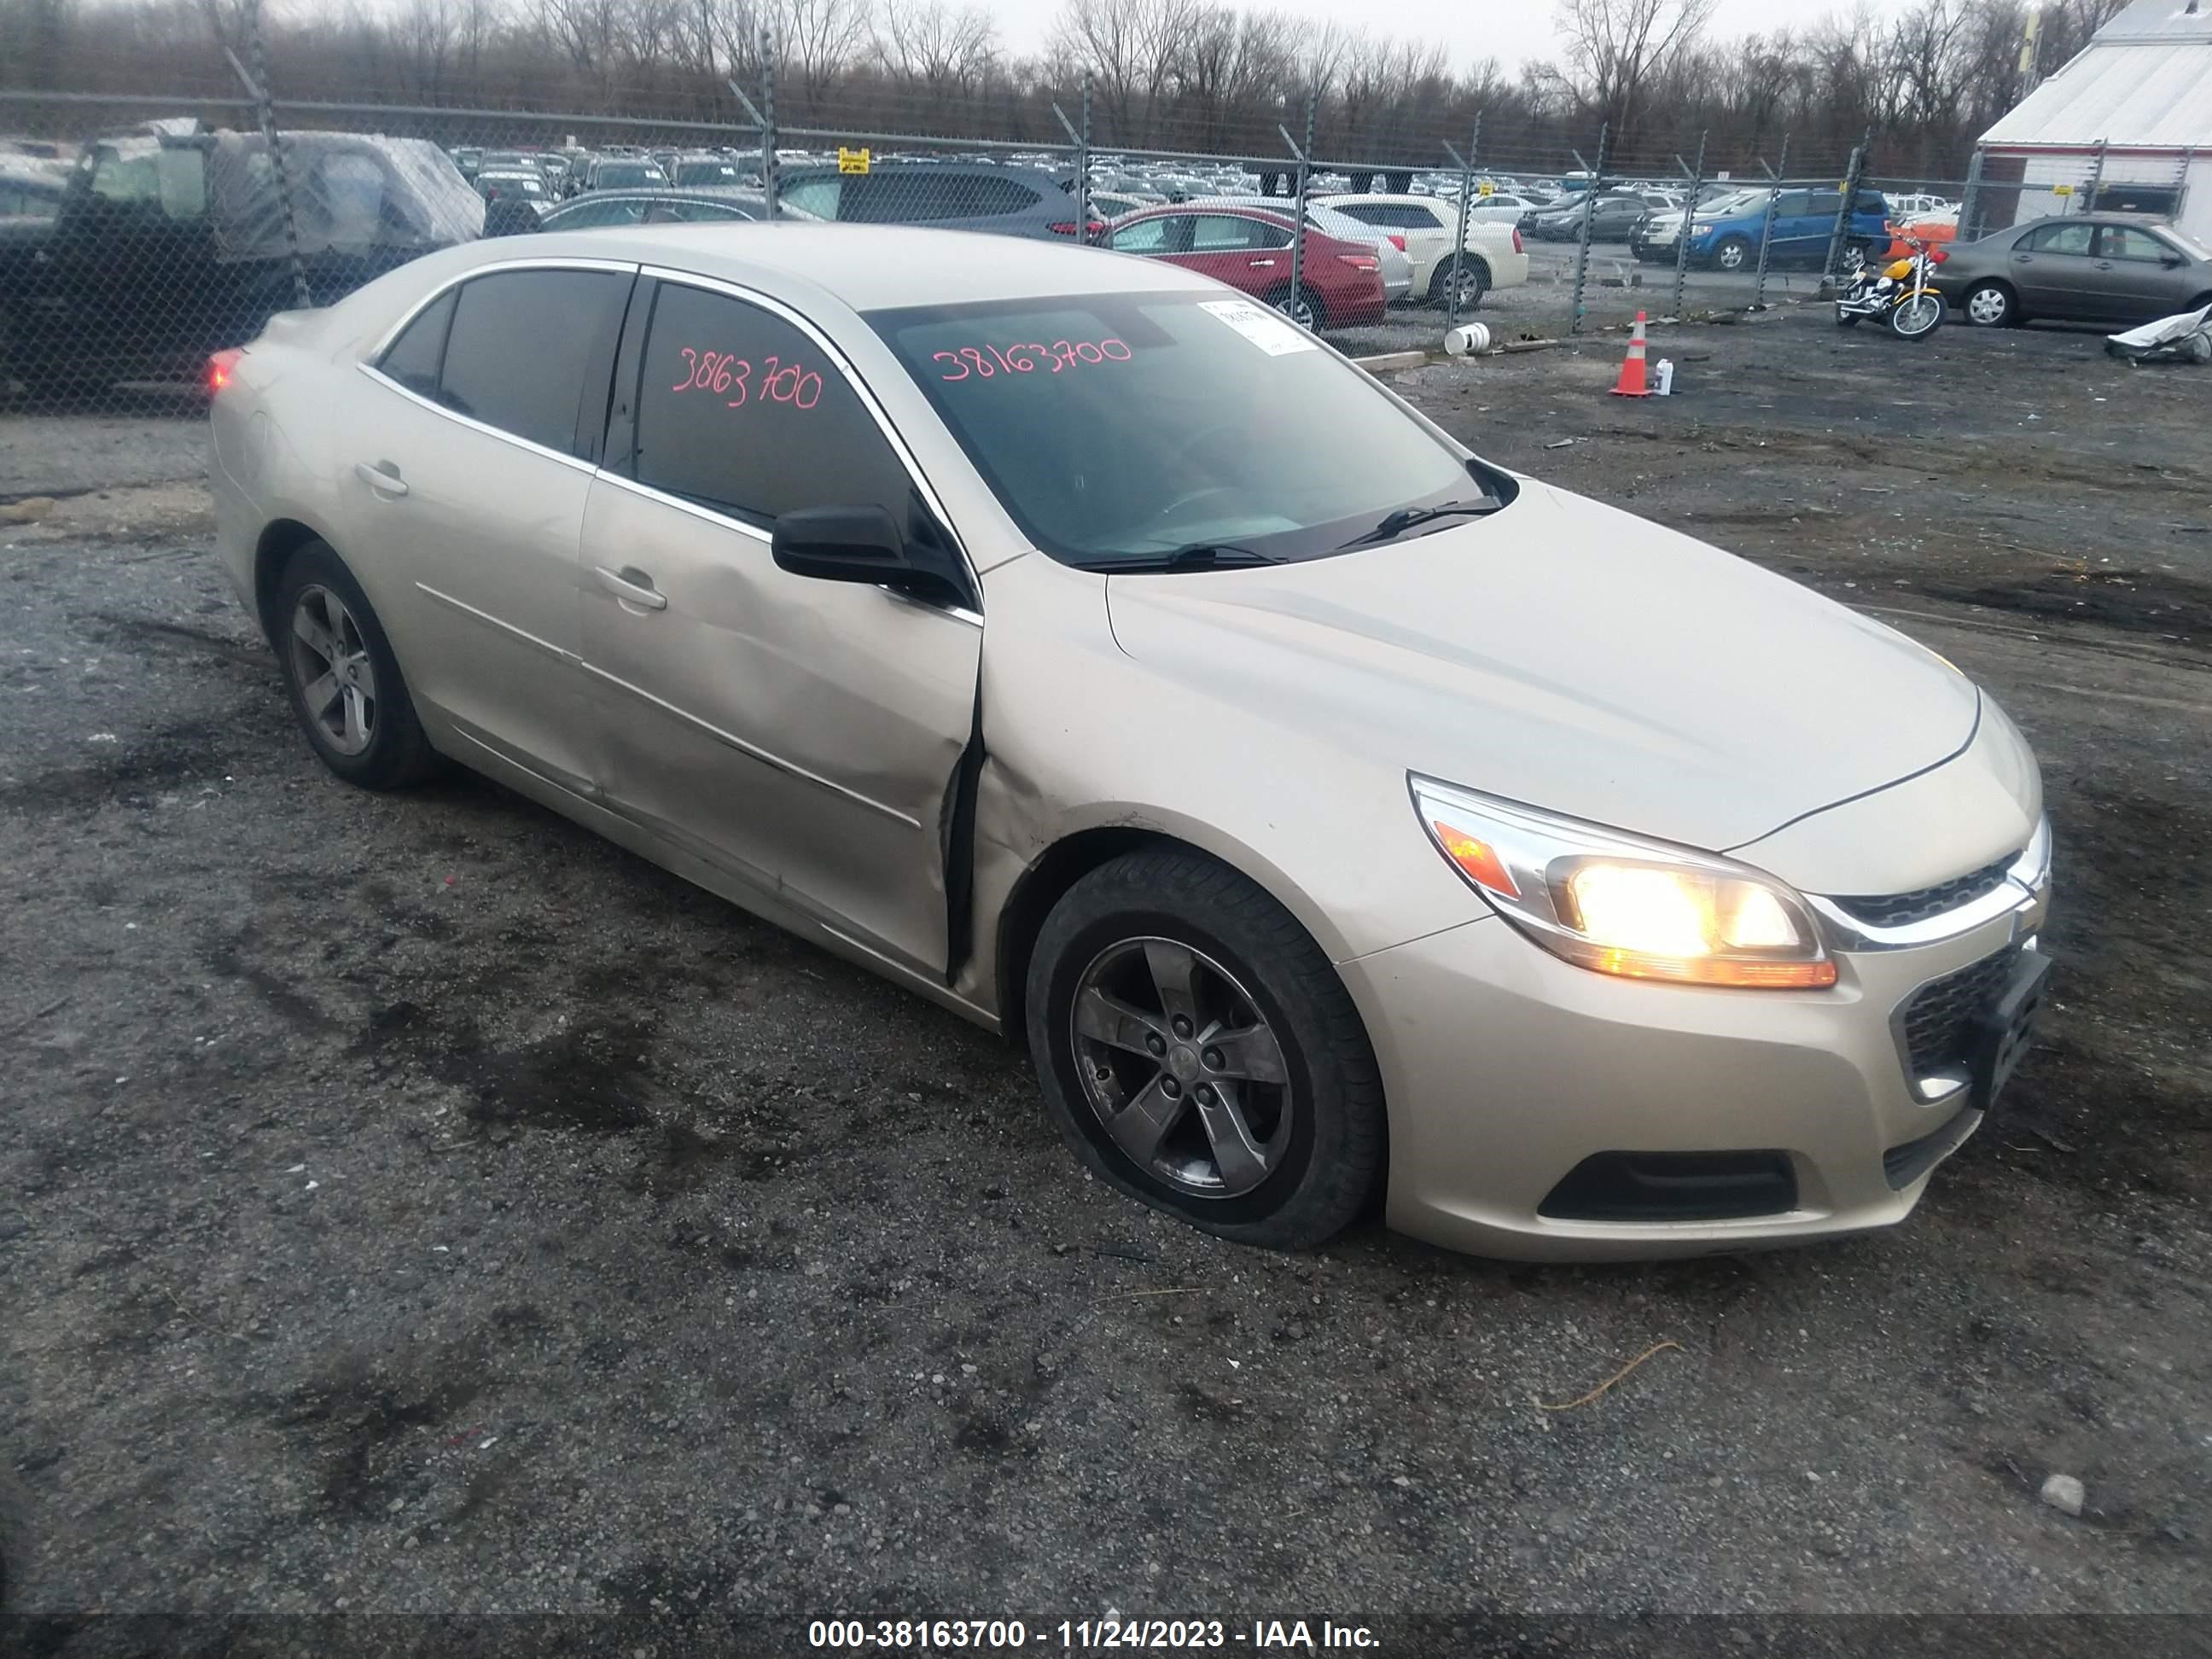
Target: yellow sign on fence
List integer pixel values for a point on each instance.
(1486, 188)
(852, 161)
(2062, 190)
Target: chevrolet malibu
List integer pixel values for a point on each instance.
(1336, 816)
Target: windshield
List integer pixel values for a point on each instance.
(1727, 207)
(2185, 242)
(1118, 427)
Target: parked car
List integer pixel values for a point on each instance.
(886, 642)
(1425, 228)
(1500, 207)
(1615, 215)
(30, 193)
(2118, 269)
(1002, 200)
(1724, 234)
(658, 207)
(173, 243)
(708, 171)
(1392, 262)
(526, 185)
(622, 173)
(1249, 248)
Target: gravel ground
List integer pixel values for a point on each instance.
(413, 1204)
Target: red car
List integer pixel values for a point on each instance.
(1249, 249)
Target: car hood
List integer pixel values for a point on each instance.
(1570, 656)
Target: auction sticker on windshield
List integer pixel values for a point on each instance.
(1262, 327)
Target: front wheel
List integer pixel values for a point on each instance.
(1916, 316)
(1198, 1051)
(1733, 254)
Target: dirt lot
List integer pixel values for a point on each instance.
(412, 1203)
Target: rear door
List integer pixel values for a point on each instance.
(1250, 254)
(464, 487)
(800, 735)
(2053, 266)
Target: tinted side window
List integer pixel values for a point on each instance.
(1826, 203)
(738, 411)
(517, 353)
(2058, 239)
(1213, 232)
(975, 196)
(1147, 235)
(1796, 203)
(413, 358)
(816, 196)
(2126, 242)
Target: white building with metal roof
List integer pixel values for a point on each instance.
(2125, 126)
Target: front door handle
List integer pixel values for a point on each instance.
(384, 477)
(633, 587)
(1262, 264)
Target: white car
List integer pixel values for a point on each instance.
(1493, 255)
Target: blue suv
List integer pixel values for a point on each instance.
(1724, 232)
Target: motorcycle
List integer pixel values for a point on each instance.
(1904, 291)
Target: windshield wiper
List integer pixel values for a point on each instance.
(1396, 524)
(1197, 555)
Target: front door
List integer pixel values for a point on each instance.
(476, 518)
(801, 734)
(2139, 277)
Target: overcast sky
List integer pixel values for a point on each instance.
(1512, 31)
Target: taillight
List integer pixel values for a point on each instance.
(1937, 255)
(1064, 229)
(1361, 261)
(220, 367)
(1398, 242)
(1517, 248)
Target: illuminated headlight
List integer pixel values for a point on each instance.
(1618, 904)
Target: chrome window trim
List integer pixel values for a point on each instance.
(2025, 890)
(776, 307)
(543, 262)
(530, 444)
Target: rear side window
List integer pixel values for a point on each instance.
(975, 196)
(740, 411)
(413, 358)
(518, 351)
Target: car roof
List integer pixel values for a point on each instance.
(864, 267)
(1373, 198)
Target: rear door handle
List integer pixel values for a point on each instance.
(633, 587)
(384, 477)
(1262, 264)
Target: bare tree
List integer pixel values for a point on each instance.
(1616, 48)
(815, 41)
(932, 49)
(1134, 48)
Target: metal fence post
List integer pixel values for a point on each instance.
(1689, 213)
(767, 121)
(1767, 227)
(1852, 173)
(1459, 244)
(1298, 213)
(2096, 177)
(1080, 137)
(256, 86)
(1970, 202)
(1589, 212)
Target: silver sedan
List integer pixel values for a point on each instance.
(1332, 814)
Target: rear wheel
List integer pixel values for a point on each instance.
(1304, 308)
(1473, 284)
(1991, 305)
(346, 688)
(1198, 1051)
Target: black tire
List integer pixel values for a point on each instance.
(1332, 1124)
(1991, 304)
(1473, 282)
(396, 753)
(1732, 254)
(1317, 318)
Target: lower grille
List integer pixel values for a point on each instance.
(1673, 1186)
(1939, 1021)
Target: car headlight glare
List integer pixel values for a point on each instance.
(1701, 230)
(1618, 904)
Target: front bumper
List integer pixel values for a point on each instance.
(1506, 1068)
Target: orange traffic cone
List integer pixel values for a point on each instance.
(1634, 382)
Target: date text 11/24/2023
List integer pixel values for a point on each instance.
(1111, 1632)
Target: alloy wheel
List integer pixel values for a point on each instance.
(330, 662)
(1181, 1067)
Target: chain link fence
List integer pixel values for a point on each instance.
(138, 234)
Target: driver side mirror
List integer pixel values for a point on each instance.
(2172, 261)
(859, 545)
